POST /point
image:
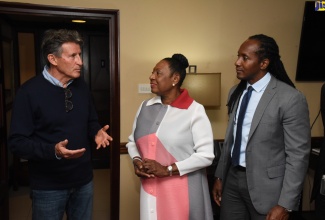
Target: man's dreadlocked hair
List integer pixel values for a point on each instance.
(268, 50)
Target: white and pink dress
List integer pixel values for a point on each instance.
(178, 133)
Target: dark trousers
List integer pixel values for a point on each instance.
(236, 203)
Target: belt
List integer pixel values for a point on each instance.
(240, 168)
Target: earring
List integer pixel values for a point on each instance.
(173, 84)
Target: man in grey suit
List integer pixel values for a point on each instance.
(262, 175)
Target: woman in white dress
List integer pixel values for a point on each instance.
(171, 145)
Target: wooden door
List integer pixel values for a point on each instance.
(99, 83)
(6, 99)
(4, 199)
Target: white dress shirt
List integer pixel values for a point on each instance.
(258, 90)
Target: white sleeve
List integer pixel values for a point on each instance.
(203, 144)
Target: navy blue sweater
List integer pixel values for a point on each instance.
(40, 121)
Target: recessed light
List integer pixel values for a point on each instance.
(79, 21)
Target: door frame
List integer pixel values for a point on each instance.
(112, 18)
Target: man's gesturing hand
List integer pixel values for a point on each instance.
(62, 151)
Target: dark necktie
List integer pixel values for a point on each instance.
(241, 115)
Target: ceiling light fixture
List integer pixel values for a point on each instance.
(79, 21)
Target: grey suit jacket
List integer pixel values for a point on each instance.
(278, 147)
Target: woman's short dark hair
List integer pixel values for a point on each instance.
(178, 64)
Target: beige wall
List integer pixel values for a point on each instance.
(209, 33)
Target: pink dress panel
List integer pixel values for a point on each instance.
(167, 190)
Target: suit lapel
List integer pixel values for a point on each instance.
(262, 105)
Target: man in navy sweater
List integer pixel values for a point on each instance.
(53, 124)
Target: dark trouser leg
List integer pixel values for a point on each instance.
(236, 203)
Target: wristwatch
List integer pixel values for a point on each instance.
(170, 170)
